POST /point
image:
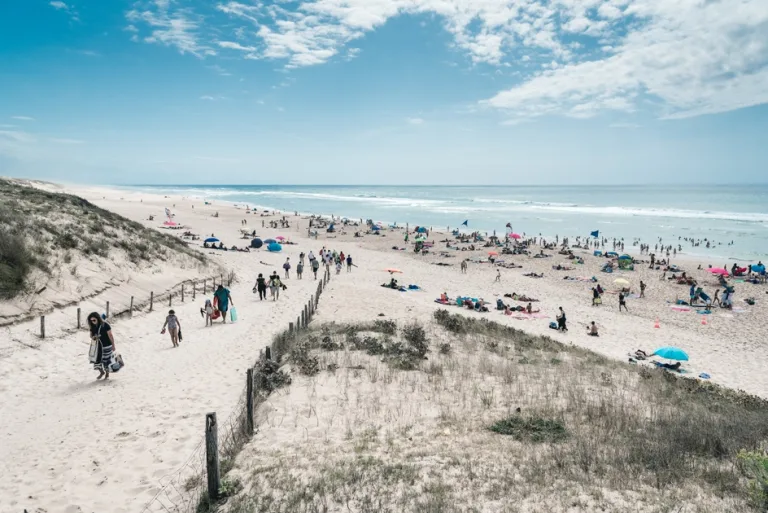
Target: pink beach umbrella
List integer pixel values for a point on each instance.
(716, 270)
(516, 236)
(280, 237)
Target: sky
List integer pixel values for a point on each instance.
(384, 91)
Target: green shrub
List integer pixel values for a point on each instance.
(15, 263)
(533, 429)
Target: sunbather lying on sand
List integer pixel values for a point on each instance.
(521, 297)
(559, 267)
(534, 275)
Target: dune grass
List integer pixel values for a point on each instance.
(502, 421)
(38, 227)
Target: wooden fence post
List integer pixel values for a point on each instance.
(182, 292)
(298, 324)
(194, 289)
(204, 283)
(107, 312)
(304, 318)
(212, 456)
(78, 317)
(249, 401)
(42, 326)
(268, 352)
(290, 327)
(151, 300)
(170, 299)
(130, 312)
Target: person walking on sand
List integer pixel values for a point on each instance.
(174, 327)
(299, 269)
(274, 286)
(301, 258)
(103, 341)
(642, 288)
(498, 275)
(261, 287)
(315, 267)
(349, 263)
(595, 297)
(561, 326)
(622, 301)
(464, 266)
(223, 300)
(287, 267)
(207, 312)
(338, 267)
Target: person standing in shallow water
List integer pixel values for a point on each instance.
(101, 334)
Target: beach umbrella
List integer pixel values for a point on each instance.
(257, 243)
(275, 247)
(392, 271)
(758, 268)
(671, 353)
(280, 237)
(376, 228)
(211, 239)
(421, 229)
(715, 270)
(516, 236)
(612, 253)
(625, 257)
(269, 241)
(621, 281)
(493, 253)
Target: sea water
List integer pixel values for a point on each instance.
(720, 214)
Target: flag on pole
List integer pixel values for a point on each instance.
(465, 223)
(595, 234)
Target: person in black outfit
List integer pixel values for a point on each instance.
(101, 332)
(261, 286)
(622, 301)
(561, 320)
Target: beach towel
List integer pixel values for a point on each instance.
(680, 309)
(93, 352)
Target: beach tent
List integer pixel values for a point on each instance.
(210, 240)
(375, 228)
(421, 229)
(758, 268)
(257, 243)
(612, 254)
(625, 257)
(275, 247)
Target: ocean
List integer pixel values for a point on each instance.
(721, 214)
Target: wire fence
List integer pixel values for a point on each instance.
(196, 485)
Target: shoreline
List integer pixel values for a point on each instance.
(696, 256)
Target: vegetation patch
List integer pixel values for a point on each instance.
(533, 429)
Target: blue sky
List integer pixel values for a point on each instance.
(384, 91)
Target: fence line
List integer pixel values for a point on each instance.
(137, 307)
(196, 485)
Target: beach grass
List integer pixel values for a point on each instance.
(501, 421)
(41, 230)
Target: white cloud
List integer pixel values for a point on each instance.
(625, 125)
(414, 121)
(690, 57)
(131, 28)
(697, 58)
(178, 29)
(210, 98)
(236, 46)
(17, 136)
(61, 6)
(23, 118)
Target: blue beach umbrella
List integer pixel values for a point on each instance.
(625, 257)
(671, 353)
(269, 241)
(275, 247)
(257, 243)
(421, 229)
(375, 228)
(211, 239)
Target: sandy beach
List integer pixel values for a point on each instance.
(71, 443)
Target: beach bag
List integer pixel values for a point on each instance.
(233, 314)
(116, 363)
(553, 325)
(180, 336)
(93, 352)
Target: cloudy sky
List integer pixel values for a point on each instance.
(385, 91)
